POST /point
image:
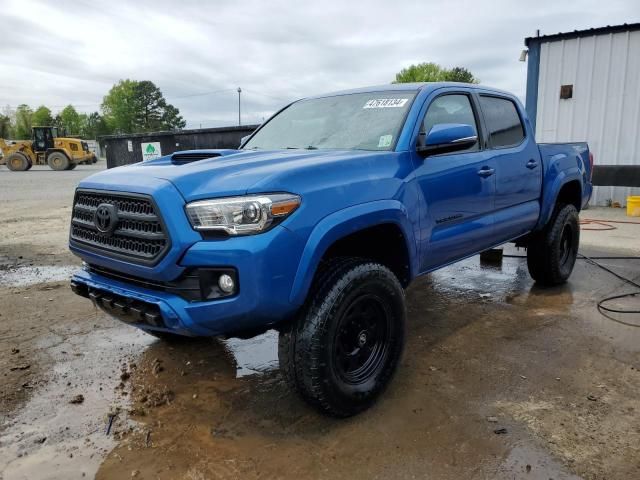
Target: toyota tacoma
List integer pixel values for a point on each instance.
(320, 220)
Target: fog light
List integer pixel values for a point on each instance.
(226, 283)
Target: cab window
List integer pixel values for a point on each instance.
(503, 122)
(454, 108)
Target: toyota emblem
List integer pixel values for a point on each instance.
(106, 218)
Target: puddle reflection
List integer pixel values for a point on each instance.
(255, 355)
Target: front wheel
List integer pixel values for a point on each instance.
(551, 254)
(343, 349)
(18, 162)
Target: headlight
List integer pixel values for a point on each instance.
(241, 215)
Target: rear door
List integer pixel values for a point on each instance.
(457, 188)
(518, 167)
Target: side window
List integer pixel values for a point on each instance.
(39, 139)
(455, 108)
(503, 121)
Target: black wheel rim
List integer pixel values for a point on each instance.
(362, 338)
(566, 244)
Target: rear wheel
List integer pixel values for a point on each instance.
(18, 162)
(58, 161)
(72, 166)
(343, 349)
(552, 253)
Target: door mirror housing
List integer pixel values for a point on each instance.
(445, 138)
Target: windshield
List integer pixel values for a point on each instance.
(358, 121)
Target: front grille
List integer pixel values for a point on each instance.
(137, 234)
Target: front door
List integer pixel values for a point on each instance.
(457, 189)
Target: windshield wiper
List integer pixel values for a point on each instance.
(310, 147)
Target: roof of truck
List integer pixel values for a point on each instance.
(403, 87)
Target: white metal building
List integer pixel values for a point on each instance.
(585, 85)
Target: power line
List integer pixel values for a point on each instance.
(169, 97)
(176, 97)
(213, 92)
(267, 95)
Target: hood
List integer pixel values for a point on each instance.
(235, 172)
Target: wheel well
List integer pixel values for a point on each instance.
(383, 243)
(571, 194)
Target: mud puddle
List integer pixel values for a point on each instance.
(256, 355)
(533, 463)
(483, 341)
(61, 431)
(24, 276)
(476, 279)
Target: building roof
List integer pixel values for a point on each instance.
(590, 32)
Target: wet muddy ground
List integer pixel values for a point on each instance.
(500, 379)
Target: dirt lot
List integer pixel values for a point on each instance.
(500, 379)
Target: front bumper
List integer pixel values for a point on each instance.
(266, 266)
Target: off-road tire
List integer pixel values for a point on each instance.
(286, 359)
(552, 253)
(354, 301)
(72, 165)
(18, 162)
(58, 161)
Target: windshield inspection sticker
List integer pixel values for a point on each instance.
(386, 103)
(385, 141)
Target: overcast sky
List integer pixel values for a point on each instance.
(62, 52)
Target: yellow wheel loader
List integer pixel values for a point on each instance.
(45, 148)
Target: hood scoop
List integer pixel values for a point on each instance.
(182, 158)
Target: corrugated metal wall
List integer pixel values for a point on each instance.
(605, 109)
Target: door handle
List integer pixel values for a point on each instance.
(531, 164)
(486, 172)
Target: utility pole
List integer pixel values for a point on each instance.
(239, 92)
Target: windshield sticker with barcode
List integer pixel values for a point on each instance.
(386, 103)
(385, 141)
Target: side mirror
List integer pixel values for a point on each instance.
(446, 137)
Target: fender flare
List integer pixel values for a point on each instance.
(343, 223)
(552, 191)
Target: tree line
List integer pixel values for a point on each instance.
(432, 72)
(138, 106)
(130, 106)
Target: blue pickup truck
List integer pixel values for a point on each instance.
(321, 219)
